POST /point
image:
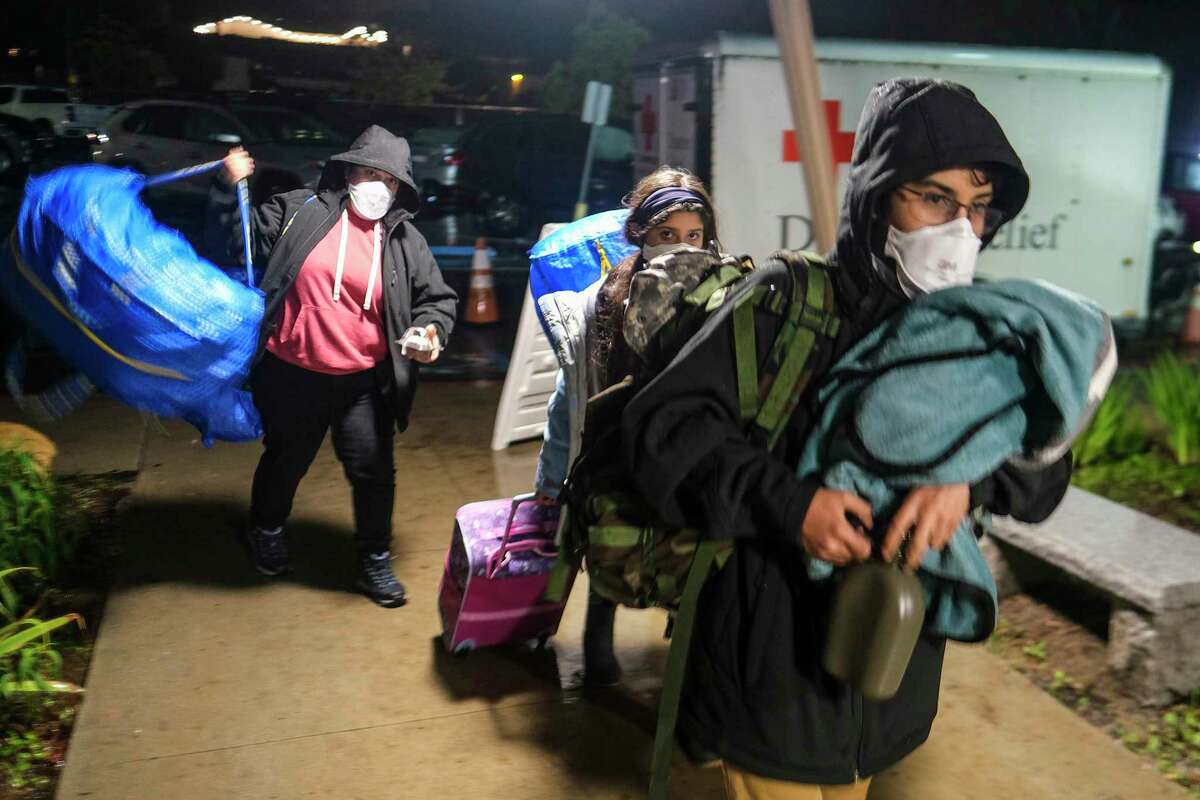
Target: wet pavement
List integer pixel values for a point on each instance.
(211, 681)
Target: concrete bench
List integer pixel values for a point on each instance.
(1148, 569)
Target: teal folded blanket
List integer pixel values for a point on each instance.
(946, 391)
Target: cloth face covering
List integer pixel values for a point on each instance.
(371, 199)
(651, 252)
(933, 258)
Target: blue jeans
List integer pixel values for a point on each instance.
(298, 406)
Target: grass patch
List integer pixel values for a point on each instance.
(67, 525)
(1172, 741)
(1149, 482)
(1142, 447)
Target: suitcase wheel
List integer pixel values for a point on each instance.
(464, 647)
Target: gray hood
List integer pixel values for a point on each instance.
(379, 148)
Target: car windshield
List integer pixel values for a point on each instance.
(282, 126)
(44, 95)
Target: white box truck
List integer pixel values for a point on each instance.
(1089, 128)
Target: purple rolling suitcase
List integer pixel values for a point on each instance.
(496, 571)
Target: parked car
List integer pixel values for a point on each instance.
(51, 109)
(522, 171)
(16, 156)
(351, 117)
(155, 136)
(41, 145)
(436, 158)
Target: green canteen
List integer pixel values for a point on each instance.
(877, 614)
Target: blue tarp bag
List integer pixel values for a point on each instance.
(577, 254)
(130, 304)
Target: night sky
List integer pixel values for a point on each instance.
(540, 31)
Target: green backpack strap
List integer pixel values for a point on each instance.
(810, 315)
(560, 578)
(746, 357)
(711, 291)
(681, 640)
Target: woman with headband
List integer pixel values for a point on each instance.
(669, 210)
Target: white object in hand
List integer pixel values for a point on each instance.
(415, 339)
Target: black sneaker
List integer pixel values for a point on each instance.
(268, 550)
(378, 582)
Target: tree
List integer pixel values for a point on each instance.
(383, 75)
(605, 48)
(112, 57)
(195, 63)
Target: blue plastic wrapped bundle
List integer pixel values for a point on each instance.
(129, 303)
(576, 255)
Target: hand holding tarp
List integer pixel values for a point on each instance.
(238, 165)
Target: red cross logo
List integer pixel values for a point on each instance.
(841, 142)
(649, 121)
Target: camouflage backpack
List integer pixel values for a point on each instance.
(632, 558)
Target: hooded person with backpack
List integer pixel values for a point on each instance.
(670, 210)
(932, 178)
(354, 304)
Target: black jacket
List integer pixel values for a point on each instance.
(288, 226)
(756, 694)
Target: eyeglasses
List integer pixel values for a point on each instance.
(937, 208)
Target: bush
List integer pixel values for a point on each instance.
(37, 527)
(1116, 430)
(27, 661)
(1173, 388)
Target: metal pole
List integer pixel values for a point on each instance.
(792, 21)
(243, 196)
(581, 208)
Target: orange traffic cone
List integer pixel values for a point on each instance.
(1189, 334)
(481, 297)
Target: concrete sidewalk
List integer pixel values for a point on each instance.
(210, 681)
(105, 437)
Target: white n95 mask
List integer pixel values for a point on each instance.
(371, 199)
(933, 258)
(653, 251)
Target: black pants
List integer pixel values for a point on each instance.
(297, 407)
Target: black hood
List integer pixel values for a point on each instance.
(911, 127)
(376, 147)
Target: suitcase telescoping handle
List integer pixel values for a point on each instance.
(517, 502)
(500, 557)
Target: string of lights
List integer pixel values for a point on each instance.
(251, 28)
